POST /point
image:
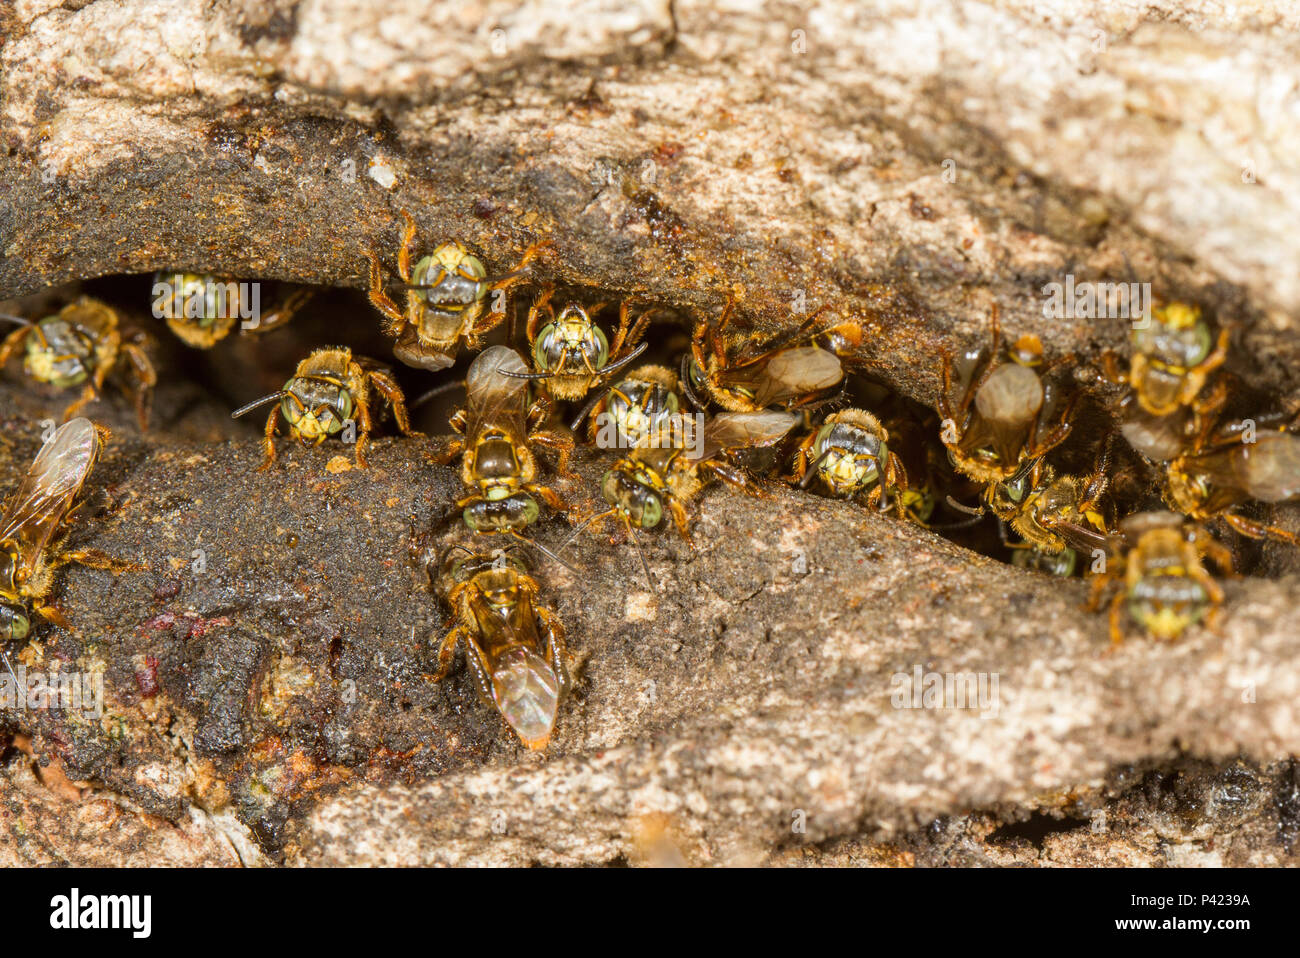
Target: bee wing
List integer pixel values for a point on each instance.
(1007, 403)
(798, 372)
(34, 513)
(1269, 469)
(735, 430)
(1085, 539)
(489, 389)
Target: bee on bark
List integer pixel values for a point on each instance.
(1209, 484)
(634, 410)
(513, 646)
(35, 522)
(446, 298)
(1168, 404)
(997, 424)
(202, 309)
(329, 393)
(792, 371)
(81, 345)
(849, 457)
(571, 354)
(497, 432)
(1166, 586)
(652, 481)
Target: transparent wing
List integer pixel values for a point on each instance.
(1269, 470)
(798, 372)
(737, 430)
(490, 390)
(47, 492)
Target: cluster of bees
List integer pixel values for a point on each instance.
(730, 404)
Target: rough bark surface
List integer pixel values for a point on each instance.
(904, 164)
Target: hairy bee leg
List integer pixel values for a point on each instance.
(364, 426)
(736, 479)
(408, 243)
(681, 520)
(561, 445)
(1259, 530)
(446, 655)
(53, 616)
(12, 342)
(268, 439)
(392, 392)
(542, 304)
(1098, 585)
(552, 498)
(1209, 547)
(379, 299)
(95, 559)
(555, 648)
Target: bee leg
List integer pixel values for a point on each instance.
(681, 520)
(387, 385)
(363, 435)
(561, 445)
(552, 498)
(408, 243)
(284, 312)
(446, 655)
(95, 559)
(1259, 530)
(1098, 585)
(555, 650)
(53, 616)
(12, 342)
(1116, 605)
(1110, 368)
(88, 394)
(541, 305)
(379, 299)
(448, 454)
(268, 439)
(146, 378)
(1216, 552)
(736, 479)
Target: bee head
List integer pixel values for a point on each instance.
(571, 343)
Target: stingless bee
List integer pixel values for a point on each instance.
(80, 346)
(497, 431)
(202, 309)
(1166, 586)
(1205, 485)
(328, 389)
(741, 377)
(995, 427)
(849, 457)
(514, 647)
(654, 480)
(571, 353)
(35, 521)
(446, 294)
(1174, 355)
(634, 410)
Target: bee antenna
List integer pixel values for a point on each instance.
(685, 379)
(582, 525)
(436, 391)
(812, 469)
(959, 507)
(20, 320)
(615, 367)
(270, 397)
(11, 670)
(650, 579)
(586, 410)
(545, 551)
